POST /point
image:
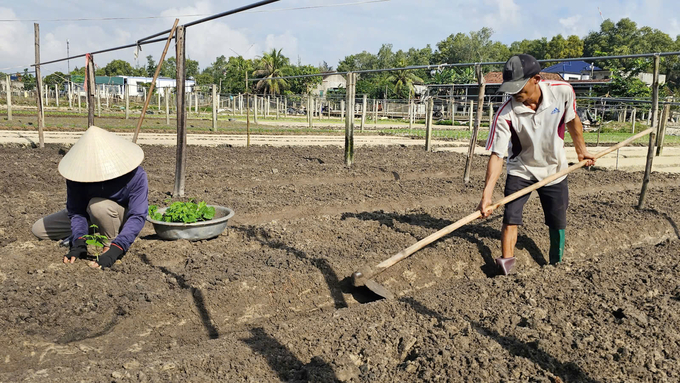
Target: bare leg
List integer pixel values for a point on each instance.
(508, 240)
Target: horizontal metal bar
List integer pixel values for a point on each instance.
(147, 40)
(102, 51)
(641, 55)
(626, 100)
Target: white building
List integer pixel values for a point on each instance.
(161, 84)
(331, 81)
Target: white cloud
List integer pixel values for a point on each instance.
(571, 25)
(287, 42)
(500, 14)
(16, 42)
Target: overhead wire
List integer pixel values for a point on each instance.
(191, 15)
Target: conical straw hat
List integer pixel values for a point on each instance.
(99, 156)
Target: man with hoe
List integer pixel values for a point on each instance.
(529, 128)
(105, 186)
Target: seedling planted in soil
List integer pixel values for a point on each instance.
(97, 240)
(186, 212)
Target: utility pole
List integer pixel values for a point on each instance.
(38, 79)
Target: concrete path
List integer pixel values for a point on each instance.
(629, 158)
(170, 139)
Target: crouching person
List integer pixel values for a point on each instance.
(105, 186)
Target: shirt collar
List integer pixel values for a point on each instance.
(548, 98)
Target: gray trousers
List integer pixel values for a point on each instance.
(106, 214)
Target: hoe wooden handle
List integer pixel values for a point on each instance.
(382, 266)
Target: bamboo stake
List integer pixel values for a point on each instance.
(478, 122)
(153, 84)
(652, 135)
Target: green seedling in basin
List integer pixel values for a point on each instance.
(97, 240)
(186, 212)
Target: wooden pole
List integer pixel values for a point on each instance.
(363, 113)
(70, 93)
(214, 107)
(56, 94)
(310, 111)
(167, 106)
(285, 107)
(46, 90)
(662, 129)
(256, 101)
(375, 113)
(9, 97)
(652, 135)
(411, 112)
(181, 160)
(247, 96)
(472, 106)
(342, 111)
(633, 119)
(478, 122)
(91, 89)
(153, 84)
(278, 108)
(38, 79)
(349, 123)
(267, 106)
(490, 114)
(99, 104)
(126, 88)
(428, 125)
(319, 107)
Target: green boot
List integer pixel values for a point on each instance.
(556, 246)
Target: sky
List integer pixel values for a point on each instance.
(308, 35)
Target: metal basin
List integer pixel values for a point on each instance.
(193, 231)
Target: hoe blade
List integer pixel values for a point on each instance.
(379, 289)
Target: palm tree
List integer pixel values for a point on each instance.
(464, 76)
(403, 80)
(271, 65)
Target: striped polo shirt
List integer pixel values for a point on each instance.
(534, 140)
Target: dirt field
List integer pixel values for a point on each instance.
(269, 300)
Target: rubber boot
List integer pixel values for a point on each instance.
(505, 265)
(556, 246)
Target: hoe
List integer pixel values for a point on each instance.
(364, 277)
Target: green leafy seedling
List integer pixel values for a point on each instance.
(186, 212)
(97, 240)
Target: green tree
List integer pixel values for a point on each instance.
(28, 80)
(402, 81)
(150, 66)
(191, 67)
(119, 68)
(305, 84)
(56, 78)
(169, 68)
(628, 86)
(271, 64)
(476, 46)
(537, 48)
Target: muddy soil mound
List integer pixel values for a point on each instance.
(270, 300)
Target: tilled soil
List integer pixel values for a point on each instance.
(270, 299)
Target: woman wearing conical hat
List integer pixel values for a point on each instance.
(105, 186)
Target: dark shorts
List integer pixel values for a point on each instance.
(554, 199)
